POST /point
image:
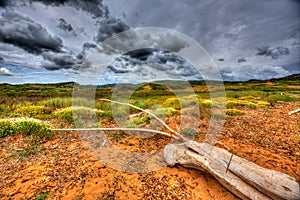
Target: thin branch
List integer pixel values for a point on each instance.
(117, 129)
(146, 111)
(294, 111)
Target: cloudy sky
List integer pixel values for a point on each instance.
(52, 41)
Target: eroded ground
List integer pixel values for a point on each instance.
(64, 169)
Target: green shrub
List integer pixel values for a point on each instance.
(7, 128)
(234, 112)
(37, 129)
(232, 103)
(139, 103)
(205, 103)
(188, 101)
(120, 110)
(56, 103)
(136, 121)
(165, 112)
(189, 132)
(63, 102)
(172, 102)
(78, 114)
(31, 111)
(42, 196)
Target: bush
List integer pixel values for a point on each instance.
(26, 126)
(56, 103)
(165, 112)
(205, 103)
(189, 132)
(78, 114)
(236, 103)
(136, 121)
(31, 111)
(63, 102)
(234, 112)
(172, 102)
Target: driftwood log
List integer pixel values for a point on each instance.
(243, 178)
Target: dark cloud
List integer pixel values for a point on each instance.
(150, 63)
(241, 60)
(1, 59)
(56, 61)
(141, 54)
(95, 7)
(85, 48)
(64, 25)
(275, 52)
(23, 32)
(118, 70)
(109, 27)
(3, 3)
(221, 59)
(66, 60)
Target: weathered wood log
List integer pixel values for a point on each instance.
(240, 176)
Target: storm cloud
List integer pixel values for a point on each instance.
(241, 60)
(109, 27)
(64, 25)
(153, 64)
(57, 36)
(95, 7)
(23, 32)
(274, 53)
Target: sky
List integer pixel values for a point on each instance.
(63, 40)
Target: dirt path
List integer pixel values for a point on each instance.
(66, 170)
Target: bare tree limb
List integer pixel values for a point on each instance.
(146, 111)
(118, 129)
(294, 111)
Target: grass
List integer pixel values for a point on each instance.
(44, 101)
(188, 132)
(42, 196)
(25, 151)
(136, 121)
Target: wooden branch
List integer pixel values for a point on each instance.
(179, 137)
(146, 111)
(243, 178)
(116, 129)
(294, 111)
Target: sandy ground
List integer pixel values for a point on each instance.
(65, 169)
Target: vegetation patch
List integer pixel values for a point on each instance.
(136, 121)
(32, 111)
(165, 112)
(234, 112)
(79, 114)
(63, 102)
(205, 103)
(172, 102)
(34, 128)
(233, 103)
(188, 132)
